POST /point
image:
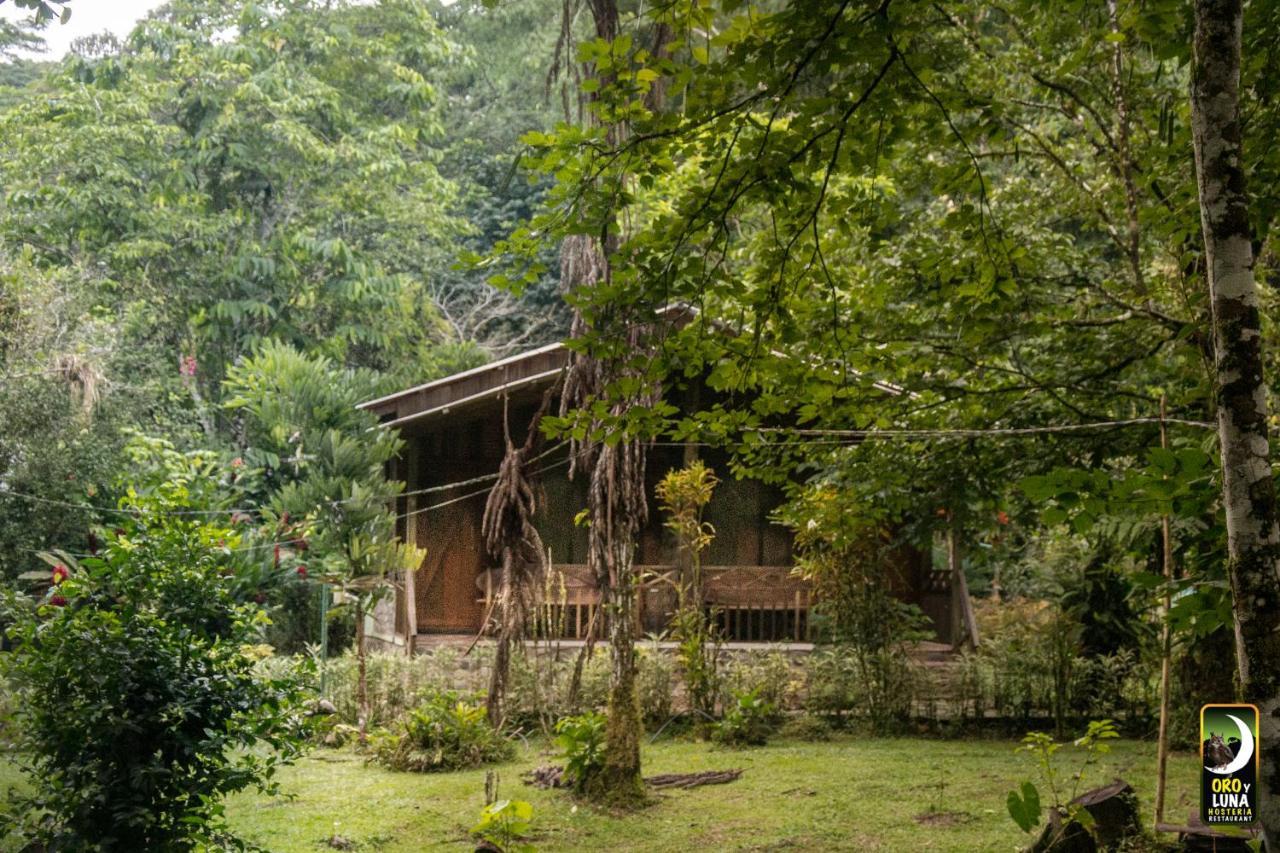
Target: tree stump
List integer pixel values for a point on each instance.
(1114, 809)
(1062, 837)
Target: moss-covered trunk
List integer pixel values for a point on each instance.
(1249, 500)
(619, 782)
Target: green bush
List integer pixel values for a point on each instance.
(396, 682)
(748, 721)
(806, 727)
(504, 824)
(139, 706)
(655, 681)
(873, 687)
(581, 743)
(445, 732)
(767, 674)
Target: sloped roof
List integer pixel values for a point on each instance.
(530, 370)
(533, 368)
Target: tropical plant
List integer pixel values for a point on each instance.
(504, 823)
(443, 732)
(581, 740)
(684, 494)
(139, 703)
(1026, 805)
(748, 720)
(326, 478)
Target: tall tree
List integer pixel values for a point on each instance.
(1249, 498)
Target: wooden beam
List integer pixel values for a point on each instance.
(411, 520)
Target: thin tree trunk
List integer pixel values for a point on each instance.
(1166, 643)
(1249, 500)
(362, 683)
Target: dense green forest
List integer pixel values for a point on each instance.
(993, 274)
(175, 200)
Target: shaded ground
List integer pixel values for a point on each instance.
(849, 794)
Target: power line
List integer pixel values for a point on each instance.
(981, 433)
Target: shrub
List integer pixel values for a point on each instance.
(766, 674)
(806, 727)
(748, 721)
(538, 686)
(581, 743)
(875, 687)
(445, 732)
(655, 677)
(504, 823)
(396, 682)
(139, 704)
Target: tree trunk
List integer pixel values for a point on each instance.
(1253, 537)
(362, 683)
(616, 499)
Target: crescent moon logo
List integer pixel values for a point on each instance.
(1246, 749)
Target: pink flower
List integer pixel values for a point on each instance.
(60, 574)
(187, 367)
(237, 462)
(302, 571)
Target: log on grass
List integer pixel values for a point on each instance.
(693, 780)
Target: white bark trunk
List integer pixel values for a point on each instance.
(1253, 537)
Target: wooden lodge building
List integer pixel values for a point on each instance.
(453, 432)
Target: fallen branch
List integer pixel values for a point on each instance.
(693, 780)
(547, 776)
(552, 776)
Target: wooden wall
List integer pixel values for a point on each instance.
(450, 584)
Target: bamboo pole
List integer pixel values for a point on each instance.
(1162, 739)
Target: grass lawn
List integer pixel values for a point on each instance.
(849, 794)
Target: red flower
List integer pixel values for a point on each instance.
(60, 574)
(57, 601)
(302, 571)
(1002, 517)
(276, 557)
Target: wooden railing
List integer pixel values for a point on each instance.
(754, 604)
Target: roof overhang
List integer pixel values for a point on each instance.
(526, 371)
(462, 390)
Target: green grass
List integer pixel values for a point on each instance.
(849, 794)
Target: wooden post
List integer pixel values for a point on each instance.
(412, 484)
(1166, 640)
(964, 625)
